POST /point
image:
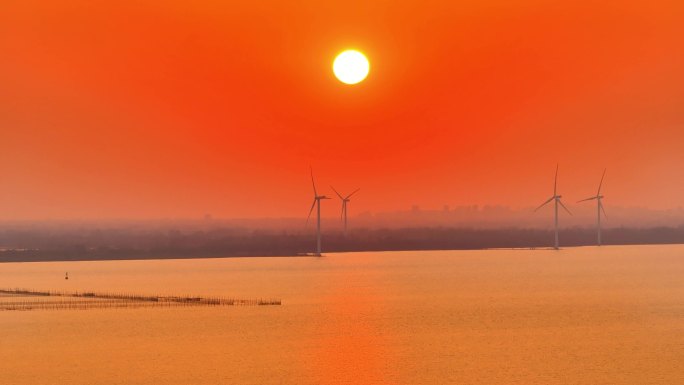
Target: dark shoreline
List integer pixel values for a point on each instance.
(97, 245)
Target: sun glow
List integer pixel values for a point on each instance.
(351, 67)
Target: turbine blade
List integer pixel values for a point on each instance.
(312, 182)
(342, 212)
(602, 209)
(338, 194)
(544, 204)
(562, 205)
(310, 211)
(555, 180)
(588, 199)
(601, 183)
(354, 192)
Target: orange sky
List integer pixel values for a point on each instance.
(148, 109)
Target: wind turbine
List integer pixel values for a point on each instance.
(599, 207)
(557, 201)
(345, 200)
(316, 202)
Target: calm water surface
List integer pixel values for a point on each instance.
(610, 315)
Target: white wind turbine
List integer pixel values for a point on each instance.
(599, 207)
(316, 202)
(557, 201)
(345, 200)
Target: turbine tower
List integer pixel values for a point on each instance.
(316, 202)
(557, 201)
(599, 207)
(345, 200)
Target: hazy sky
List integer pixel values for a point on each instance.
(146, 109)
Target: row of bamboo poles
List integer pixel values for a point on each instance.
(25, 299)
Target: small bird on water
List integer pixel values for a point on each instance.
(67, 275)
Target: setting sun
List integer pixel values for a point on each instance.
(351, 67)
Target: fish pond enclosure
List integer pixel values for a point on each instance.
(24, 299)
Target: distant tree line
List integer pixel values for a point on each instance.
(103, 244)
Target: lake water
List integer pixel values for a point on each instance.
(609, 315)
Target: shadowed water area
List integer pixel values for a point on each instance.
(609, 315)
